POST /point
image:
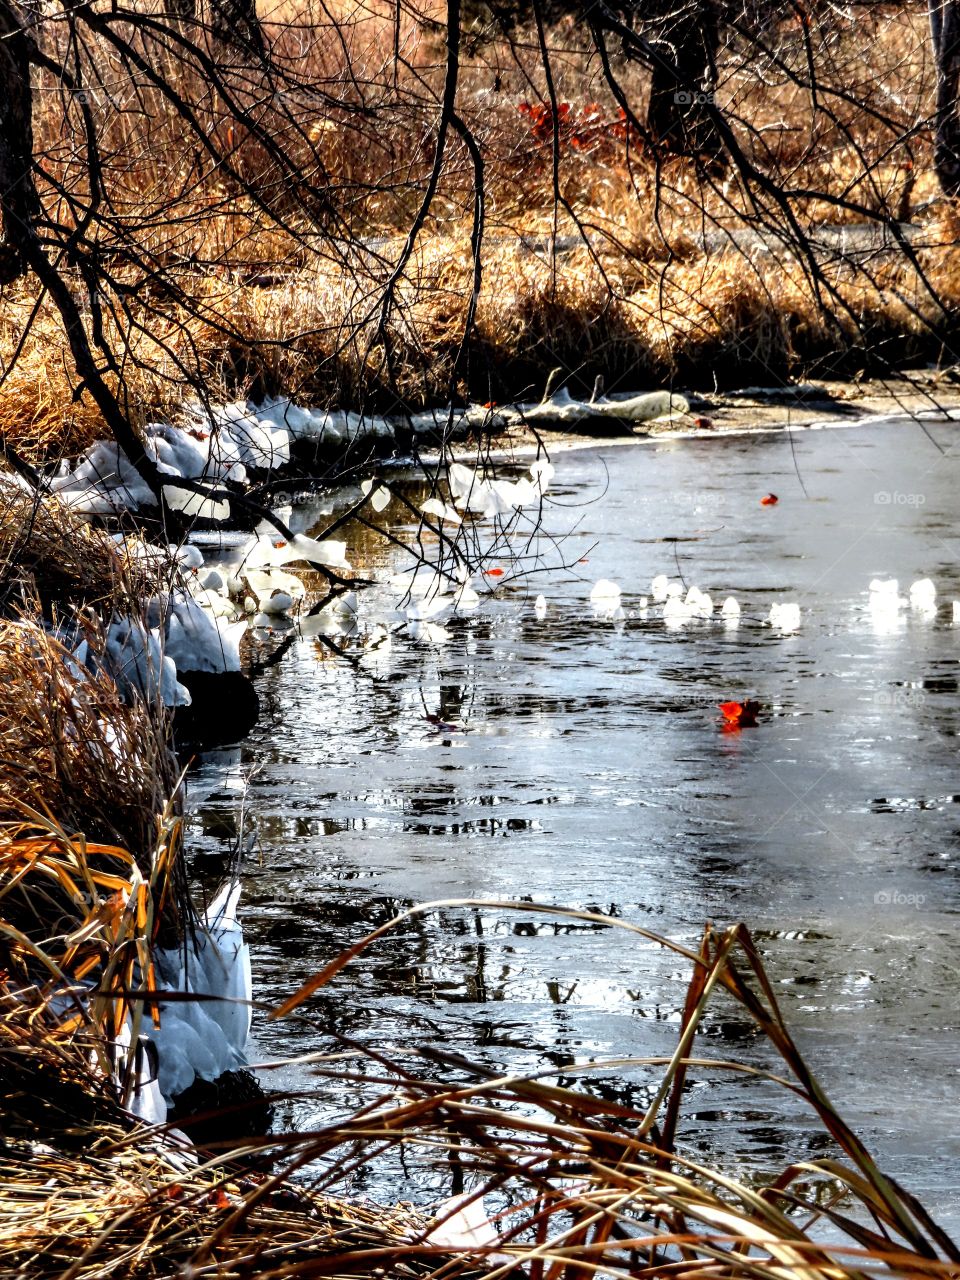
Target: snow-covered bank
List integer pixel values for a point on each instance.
(225, 450)
(227, 447)
(178, 632)
(234, 445)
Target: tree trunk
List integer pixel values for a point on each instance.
(685, 35)
(945, 32)
(232, 22)
(235, 23)
(19, 204)
(21, 250)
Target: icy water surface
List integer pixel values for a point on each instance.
(577, 762)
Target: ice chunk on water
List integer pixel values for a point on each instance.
(784, 616)
(195, 506)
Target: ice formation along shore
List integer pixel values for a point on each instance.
(228, 443)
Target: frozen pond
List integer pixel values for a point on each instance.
(581, 762)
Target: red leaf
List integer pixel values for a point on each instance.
(769, 500)
(739, 715)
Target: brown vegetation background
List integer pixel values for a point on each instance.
(237, 225)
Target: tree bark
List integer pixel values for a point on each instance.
(235, 23)
(685, 36)
(945, 33)
(19, 204)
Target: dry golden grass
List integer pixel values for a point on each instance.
(72, 751)
(45, 410)
(52, 557)
(39, 411)
(580, 1185)
(118, 1210)
(238, 278)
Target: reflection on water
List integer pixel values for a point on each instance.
(577, 762)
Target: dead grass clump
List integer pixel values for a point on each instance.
(732, 318)
(121, 1208)
(722, 318)
(46, 411)
(50, 554)
(315, 337)
(536, 314)
(78, 924)
(53, 1090)
(71, 749)
(310, 337)
(43, 411)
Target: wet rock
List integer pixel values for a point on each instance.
(224, 709)
(225, 1110)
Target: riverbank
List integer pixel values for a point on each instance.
(725, 321)
(918, 393)
(233, 458)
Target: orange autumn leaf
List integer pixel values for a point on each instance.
(769, 500)
(739, 715)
